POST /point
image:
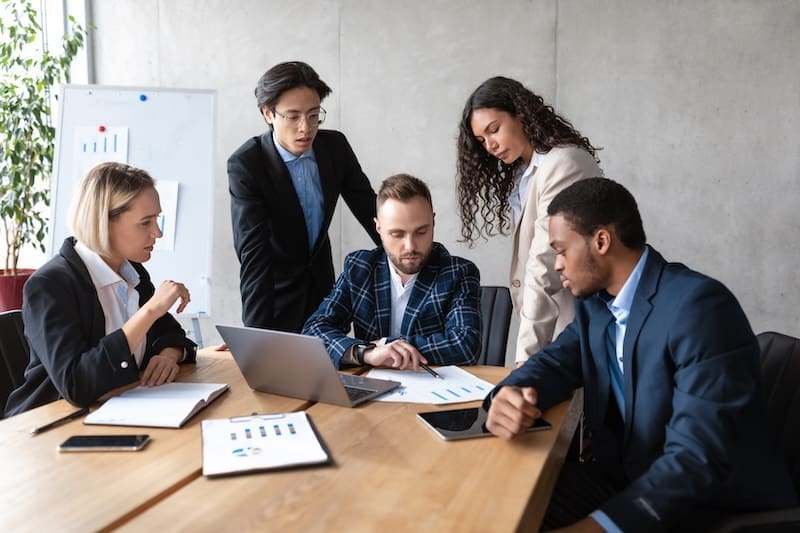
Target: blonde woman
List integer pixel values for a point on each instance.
(93, 319)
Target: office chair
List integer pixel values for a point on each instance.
(13, 354)
(780, 375)
(495, 320)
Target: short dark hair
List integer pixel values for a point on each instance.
(590, 203)
(403, 187)
(285, 76)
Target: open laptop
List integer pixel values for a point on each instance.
(298, 366)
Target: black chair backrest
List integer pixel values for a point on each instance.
(495, 320)
(13, 354)
(780, 372)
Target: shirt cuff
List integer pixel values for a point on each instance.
(605, 522)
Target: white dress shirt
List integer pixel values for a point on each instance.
(519, 193)
(400, 296)
(117, 292)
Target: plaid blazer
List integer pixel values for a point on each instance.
(442, 318)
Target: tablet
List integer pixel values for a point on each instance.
(455, 424)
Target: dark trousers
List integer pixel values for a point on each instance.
(580, 489)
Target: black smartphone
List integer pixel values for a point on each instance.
(468, 423)
(104, 443)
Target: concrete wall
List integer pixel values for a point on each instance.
(696, 103)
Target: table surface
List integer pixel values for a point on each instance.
(387, 467)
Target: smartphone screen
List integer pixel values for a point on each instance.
(455, 424)
(104, 443)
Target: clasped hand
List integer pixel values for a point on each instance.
(513, 410)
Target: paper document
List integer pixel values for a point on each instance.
(259, 442)
(457, 386)
(169, 405)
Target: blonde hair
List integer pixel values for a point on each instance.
(107, 191)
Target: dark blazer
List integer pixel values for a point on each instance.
(442, 318)
(694, 436)
(282, 283)
(71, 356)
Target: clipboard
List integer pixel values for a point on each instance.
(259, 442)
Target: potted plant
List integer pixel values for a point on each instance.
(28, 73)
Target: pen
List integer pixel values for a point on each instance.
(430, 371)
(63, 420)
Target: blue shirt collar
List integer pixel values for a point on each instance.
(288, 156)
(624, 300)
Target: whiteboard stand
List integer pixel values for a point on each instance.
(197, 333)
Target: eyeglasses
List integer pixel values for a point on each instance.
(314, 118)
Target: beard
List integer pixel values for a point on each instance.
(593, 278)
(409, 267)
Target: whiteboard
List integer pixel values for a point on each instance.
(167, 132)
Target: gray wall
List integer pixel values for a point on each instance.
(697, 104)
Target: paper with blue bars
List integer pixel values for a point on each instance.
(457, 386)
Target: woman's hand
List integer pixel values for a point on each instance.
(162, 368)
(166, 295)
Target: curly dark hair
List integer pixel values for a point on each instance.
(484, 182)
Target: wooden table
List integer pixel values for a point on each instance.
(388, 472)
(45, 490)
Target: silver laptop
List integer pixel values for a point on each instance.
(298, 366)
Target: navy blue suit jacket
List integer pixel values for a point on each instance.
(694, 435)
(71, 356)
(442, 318)
(281, 281)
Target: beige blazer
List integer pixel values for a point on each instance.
(543, 307)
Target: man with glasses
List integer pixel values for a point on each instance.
(284, 185)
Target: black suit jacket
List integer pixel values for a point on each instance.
(71, 356)
(282, 283)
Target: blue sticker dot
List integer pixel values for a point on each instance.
(142, 97)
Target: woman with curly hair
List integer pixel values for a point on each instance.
(514, 155)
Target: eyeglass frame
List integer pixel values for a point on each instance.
(295, 121)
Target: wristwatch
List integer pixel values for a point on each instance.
(360, 350)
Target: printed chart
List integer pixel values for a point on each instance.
(457, 386)
(259, 442)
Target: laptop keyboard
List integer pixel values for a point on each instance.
(356, 394)
(355, 386)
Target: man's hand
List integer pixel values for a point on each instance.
(396, 354)
(162, 368)
(513, 410)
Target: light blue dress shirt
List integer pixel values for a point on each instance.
(620, 307)
(304, 172)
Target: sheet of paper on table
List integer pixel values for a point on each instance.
(457, 386)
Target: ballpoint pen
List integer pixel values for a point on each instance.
(430, 371)
(59, 421)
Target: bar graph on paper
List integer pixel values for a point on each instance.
(98, 144)
(457, 386)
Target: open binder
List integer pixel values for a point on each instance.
(259, 442)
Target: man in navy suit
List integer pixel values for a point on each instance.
(670, 370)
(409, 301)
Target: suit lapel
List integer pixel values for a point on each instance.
(640, 310)
(383, 297)
(330, 188)
(601, 317)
